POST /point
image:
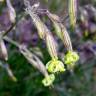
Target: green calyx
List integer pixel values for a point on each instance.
(47, 81)
(54, 66)
(71, 57)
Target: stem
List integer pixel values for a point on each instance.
(6, 32)
(11, 41)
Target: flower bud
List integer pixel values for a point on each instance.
(11, 11)
(54, 66)
(3, 50)
(10, 73)
(72, 6)
(47, 81)
(1, 0)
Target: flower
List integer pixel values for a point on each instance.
(71, 57)
(54, 66)
(47, 81)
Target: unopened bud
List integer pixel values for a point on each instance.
(9, 71)
(11, 11)
(72, 6)
(3, 50)
(11, 75)
(1, 0)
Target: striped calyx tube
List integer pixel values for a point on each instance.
(71, 57)
(72, 7)
(54, 65)
(36, 20)
(60, 30)
(51, 45)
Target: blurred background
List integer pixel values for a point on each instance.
(80, 83)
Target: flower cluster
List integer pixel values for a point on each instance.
(54, 65)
